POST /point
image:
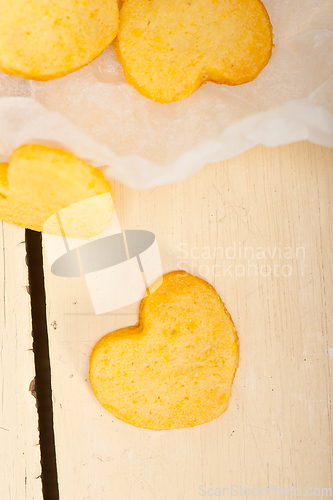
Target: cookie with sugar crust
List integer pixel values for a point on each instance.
(42, 40)
(169, 48)
(40, 181)
(176, 366)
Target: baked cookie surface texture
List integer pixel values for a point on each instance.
(169, 48)
(42, 39)
(39, 181)
(175, 368)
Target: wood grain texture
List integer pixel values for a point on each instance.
(264, 220)
(19, 438)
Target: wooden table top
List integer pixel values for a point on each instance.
(259, 228)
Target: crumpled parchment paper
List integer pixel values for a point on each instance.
(97, 115)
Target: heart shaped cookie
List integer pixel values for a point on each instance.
(39, 181)
(169, 48)
(46, 39)
(175, 368)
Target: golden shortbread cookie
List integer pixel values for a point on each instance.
(42, 39)
(169, 48)
(175, 367)
(39, 181)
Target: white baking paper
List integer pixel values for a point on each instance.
(97, 115)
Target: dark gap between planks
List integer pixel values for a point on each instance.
(42, 363)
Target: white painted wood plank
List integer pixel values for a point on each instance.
(278, 427)
(19, 438)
